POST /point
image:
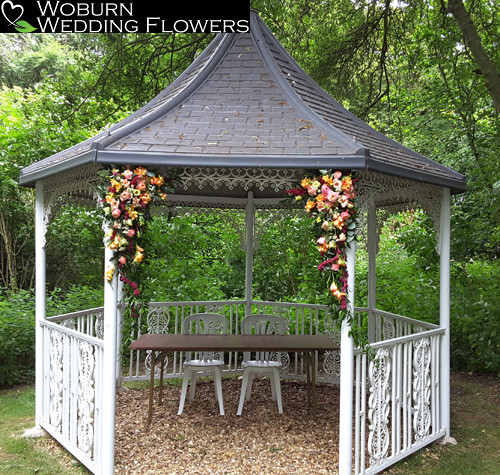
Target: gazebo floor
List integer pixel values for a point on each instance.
(260, 441)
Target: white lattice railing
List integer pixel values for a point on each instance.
(397, 406)
(72, 387)
(89, 322)
(387, 326)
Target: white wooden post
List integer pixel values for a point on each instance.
(444, 308)
(347, 373)
(109, 368)
(249, 230)
(40, 299)
(119, 335)
(372, 274)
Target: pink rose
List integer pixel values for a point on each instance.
(141, 186)
(337, 175)
(131, 233)
(116, 213)
(128, 174)
(122, 260)
(345, 215)
(125, 196)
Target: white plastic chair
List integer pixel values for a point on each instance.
(260, 362)
(201, 363)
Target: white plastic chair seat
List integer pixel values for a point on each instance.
(261, 364)
(203, 363)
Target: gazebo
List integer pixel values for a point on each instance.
(242, 124)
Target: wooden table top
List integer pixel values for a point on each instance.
(179, 342)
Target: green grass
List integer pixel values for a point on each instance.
(475, 421)
(20, 455)
(475, 424)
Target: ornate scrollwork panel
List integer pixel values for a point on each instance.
(232, 178)
(421, 388)
(86, 398)
(158, 320)
(379, 407)
(56, 378)
(331, 363)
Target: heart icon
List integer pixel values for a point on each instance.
(10, 11)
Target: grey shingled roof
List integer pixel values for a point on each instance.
(245, 103)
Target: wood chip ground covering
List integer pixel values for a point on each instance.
(201, 441)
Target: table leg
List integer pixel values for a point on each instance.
(151, 385)
(313, 381)
(160, 395)
(307, 358)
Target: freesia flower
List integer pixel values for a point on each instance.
(347, 184)
(157, 180)
(322, 245)
(327, 180)
(110, 272)
(139, 256)
(310, 205)
(305, 183)
(115, 184)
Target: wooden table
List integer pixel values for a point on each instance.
(161, 344)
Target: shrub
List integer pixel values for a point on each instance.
(17, 337)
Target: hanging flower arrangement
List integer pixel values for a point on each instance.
(330, 201)
(126, 202)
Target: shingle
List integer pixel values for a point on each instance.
(245, 95)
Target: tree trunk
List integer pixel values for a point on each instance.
(486, 65)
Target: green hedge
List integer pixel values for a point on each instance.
(17, 338)
(17, 327)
